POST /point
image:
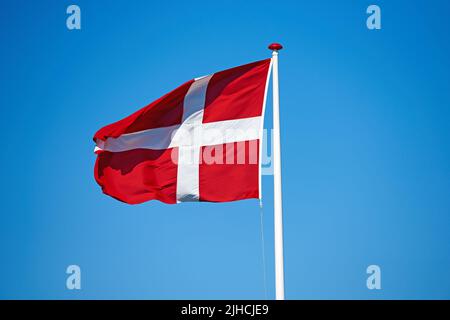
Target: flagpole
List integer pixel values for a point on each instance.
(278, 207)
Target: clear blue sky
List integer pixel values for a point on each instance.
(365, 138)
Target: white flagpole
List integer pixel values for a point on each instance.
(278, 207)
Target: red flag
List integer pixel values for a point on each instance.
(200, 142)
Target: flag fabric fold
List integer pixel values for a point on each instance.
(199, 142)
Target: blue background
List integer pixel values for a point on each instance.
(365, 142)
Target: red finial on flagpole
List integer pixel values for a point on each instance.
(275, 46)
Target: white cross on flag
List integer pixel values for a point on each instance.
(200, 142)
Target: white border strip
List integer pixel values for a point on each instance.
(261, 129)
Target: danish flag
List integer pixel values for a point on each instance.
(200, 142)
